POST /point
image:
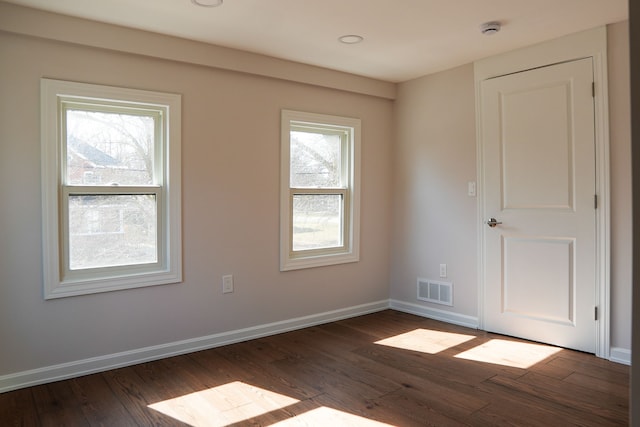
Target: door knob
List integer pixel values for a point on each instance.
(493, 222)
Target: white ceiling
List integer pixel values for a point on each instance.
(403, 39)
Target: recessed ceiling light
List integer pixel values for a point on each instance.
(207, 3)
(350, 39)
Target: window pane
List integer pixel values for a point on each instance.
(315, 160)
(317, 221)
(109, 148)
(108, 231)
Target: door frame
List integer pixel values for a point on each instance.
(586, 44)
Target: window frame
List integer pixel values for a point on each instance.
(349, 130)
(57, 97)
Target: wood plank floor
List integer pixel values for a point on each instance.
(387, 368)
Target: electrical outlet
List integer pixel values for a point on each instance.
(227, 284)
(443, 270)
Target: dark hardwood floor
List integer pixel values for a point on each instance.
(387, 368)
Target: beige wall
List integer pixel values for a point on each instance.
(230, 169)
(435, 157)
(436, 222)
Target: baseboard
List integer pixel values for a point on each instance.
(433, 313)
(620, 355)
(117, 360)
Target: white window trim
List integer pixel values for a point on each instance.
(350, 250)
(58, 282)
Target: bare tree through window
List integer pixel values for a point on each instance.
(114, 150)
(316, 160)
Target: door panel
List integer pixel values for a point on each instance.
(538, 279)
(528, 146)
(539, 177)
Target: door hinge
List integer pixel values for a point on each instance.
(595, 201)
(595, 313)
(593, 89)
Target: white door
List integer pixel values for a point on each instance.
(538, 148)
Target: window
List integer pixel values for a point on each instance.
(319, 190)
(110, 188)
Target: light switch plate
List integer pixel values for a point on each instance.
(227, 284)
(471, 189)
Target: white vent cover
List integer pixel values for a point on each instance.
(436, 292)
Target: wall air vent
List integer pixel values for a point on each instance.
(435, 291)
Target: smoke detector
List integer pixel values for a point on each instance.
(207, 3)
(489, 28)
(350, 39)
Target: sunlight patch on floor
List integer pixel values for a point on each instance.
(426, 340)
(324, 416)
(509, 353)
(220, 406)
